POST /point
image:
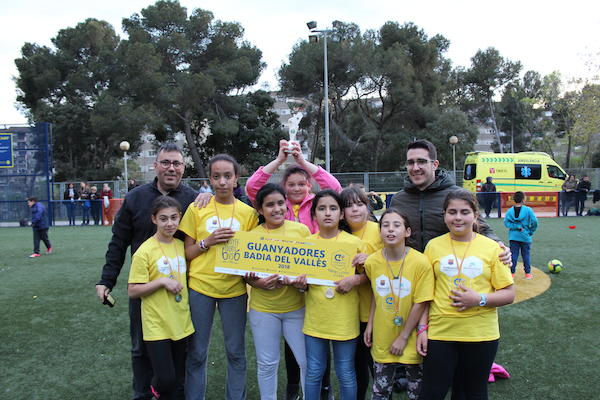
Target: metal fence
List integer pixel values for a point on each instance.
(381, 182)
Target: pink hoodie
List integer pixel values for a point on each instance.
(322, 177)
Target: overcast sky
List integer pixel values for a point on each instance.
(544, 35)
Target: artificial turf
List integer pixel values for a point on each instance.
(59, 342)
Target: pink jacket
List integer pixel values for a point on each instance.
(322, 177)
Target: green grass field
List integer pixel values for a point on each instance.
(58, 342)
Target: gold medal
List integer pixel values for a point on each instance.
(329, 293)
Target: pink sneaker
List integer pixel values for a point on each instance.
(528, 276)
(154, 392)
(33, 255)
(49, 251)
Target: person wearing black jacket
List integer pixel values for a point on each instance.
(489, 195)
(70, 196)
(583, 187)
(132, 227)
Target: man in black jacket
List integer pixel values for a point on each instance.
(422, 198)
(583, 187)
(132, 227)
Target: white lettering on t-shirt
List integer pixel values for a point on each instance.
(212, 224)
(170, 266)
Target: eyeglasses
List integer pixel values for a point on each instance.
(168, 163)
(421, 162)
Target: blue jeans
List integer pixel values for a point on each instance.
(343, 360)
(85, 214)
(233, 323)
(525, 249)
(70, 206)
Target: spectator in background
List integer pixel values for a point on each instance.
(569, 187)
(107, 195)
(96, 204)
(69, 198)
(205, 188)
(583, 188)
(84, 196)
(375, 202)
(131, 184)
(39, 224)
(489, 193)
(240, 193)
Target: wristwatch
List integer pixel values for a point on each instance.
(483, 300)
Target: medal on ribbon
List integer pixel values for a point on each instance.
(329, 293)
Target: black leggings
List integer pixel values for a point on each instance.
(463, 364)
(168, 363)
(363, 365)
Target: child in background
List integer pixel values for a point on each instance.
(276, 304)
(521, 223)
(356, 215)
(158, 276)
(470, 283)
(39, 224)
(402, 285)
(332, 312)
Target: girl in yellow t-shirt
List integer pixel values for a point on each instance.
(204, 228)
(332, 312)
(356, 215)
(158, 276)
(402, 284)
(471, 282)
(276, 304)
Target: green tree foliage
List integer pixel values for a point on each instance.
(387, 87)
(74, 86)
(172, 72)
(489, 73)
(587, 119)
(520, 113)
(190, 68)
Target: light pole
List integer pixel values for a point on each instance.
(312, 26)
(124, 145)
(453, 141)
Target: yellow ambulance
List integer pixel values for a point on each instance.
(527, 171)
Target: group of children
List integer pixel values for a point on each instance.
(400, 307)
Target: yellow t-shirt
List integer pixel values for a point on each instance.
(417, 287)
(199, 224)
(370, 235)
(287, 298)
(482, 271)
(333, 318)
(162, 317)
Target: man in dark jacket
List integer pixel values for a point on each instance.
(132, 227)
(39, 224)
(489, 195)
(583, 187)
(422, 198)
